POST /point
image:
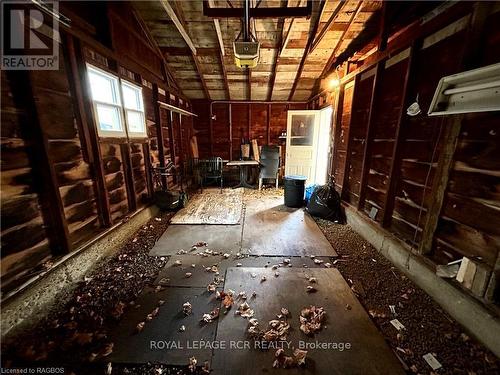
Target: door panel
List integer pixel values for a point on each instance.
(301, 143)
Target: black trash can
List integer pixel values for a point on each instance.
(294, 190)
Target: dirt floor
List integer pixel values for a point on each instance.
(77, 335)
(378, 285)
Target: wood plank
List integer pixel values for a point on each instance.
(369, 132)
(399, 136)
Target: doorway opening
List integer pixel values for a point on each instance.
(308, 144)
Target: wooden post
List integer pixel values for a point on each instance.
(399, 137)
(365, 167)
(336, 130)
(43, 173)
(147, 166)
(211, 133)
(445, 163)
(348, 135)
(469, 57)
(129, 175)
(159, 134)
(269, 123)
(249, 121)
(230, 132)
(82, 87)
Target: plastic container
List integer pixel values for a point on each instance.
(309, 191)
(294, 190)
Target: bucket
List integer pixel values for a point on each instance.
(294, 190)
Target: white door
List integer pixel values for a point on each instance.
(323, 148)
(301, 143)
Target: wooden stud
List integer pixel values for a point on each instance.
(445, 163)
(365, 167)
(80, 78)
(230, 132)
(129, 176)
(453, 126)
(399, 137)
(347, 162)
(147, 168)
(42, 167)
(337, 122)
(159, 134)
(269, 124)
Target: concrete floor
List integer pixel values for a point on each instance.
(268, 235)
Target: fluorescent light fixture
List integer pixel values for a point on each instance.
(475, 90)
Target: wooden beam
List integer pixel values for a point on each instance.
(333, 55)
(272, 79)
(222, 52)
(230, 131)
(326, 28)
(200, 74)
(168, 76)
(249, 84)
(347, 162)
(265, 12)
(80, 79)
(310, 39)
(399, 136)
(414, 31)
(269, 123)
(445, 163)
(337, 130)
(469, 60)
(159, 134)
(384, 27)
(148, 168)
(43, 174)
(365, 167)
(178, 24)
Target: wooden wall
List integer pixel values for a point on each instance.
(237, 121)
(391, 166)
(62, 184)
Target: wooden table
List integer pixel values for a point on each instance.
(243, 165)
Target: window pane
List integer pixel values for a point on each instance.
(302, 130)
(103, 87)
(109, 118)
(132, 97)
(135, 122)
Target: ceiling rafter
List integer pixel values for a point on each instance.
(329, 23)
(178, 24)
(222, 51)
(333, 56)
(166, 71)
(279, 48)
(310, 39)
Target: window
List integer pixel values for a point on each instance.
(134, 110)
(115, 110)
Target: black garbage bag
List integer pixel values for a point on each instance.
(325, 203)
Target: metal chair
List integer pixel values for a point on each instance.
(269, 164)
(211, 169)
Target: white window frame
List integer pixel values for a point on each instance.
(117, 88)
(118, 84)
(140, 111)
